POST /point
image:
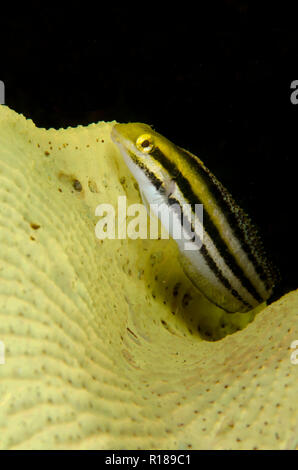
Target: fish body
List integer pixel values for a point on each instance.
(230, 267)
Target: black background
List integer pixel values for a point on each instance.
(215, 82)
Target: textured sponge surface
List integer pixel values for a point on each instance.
(107, 346)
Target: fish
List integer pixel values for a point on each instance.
(228, 263)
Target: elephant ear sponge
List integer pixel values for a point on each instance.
(107, 345)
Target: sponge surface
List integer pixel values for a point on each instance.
(107, 345)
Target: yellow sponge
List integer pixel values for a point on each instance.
(107, 345)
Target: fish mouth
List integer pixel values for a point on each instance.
(124, 145)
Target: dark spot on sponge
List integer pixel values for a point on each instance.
(186, 299)
(176, 289)
(34, 226)
(77, 185)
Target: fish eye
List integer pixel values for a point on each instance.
(145, 143)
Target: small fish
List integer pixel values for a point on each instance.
(230, 268)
